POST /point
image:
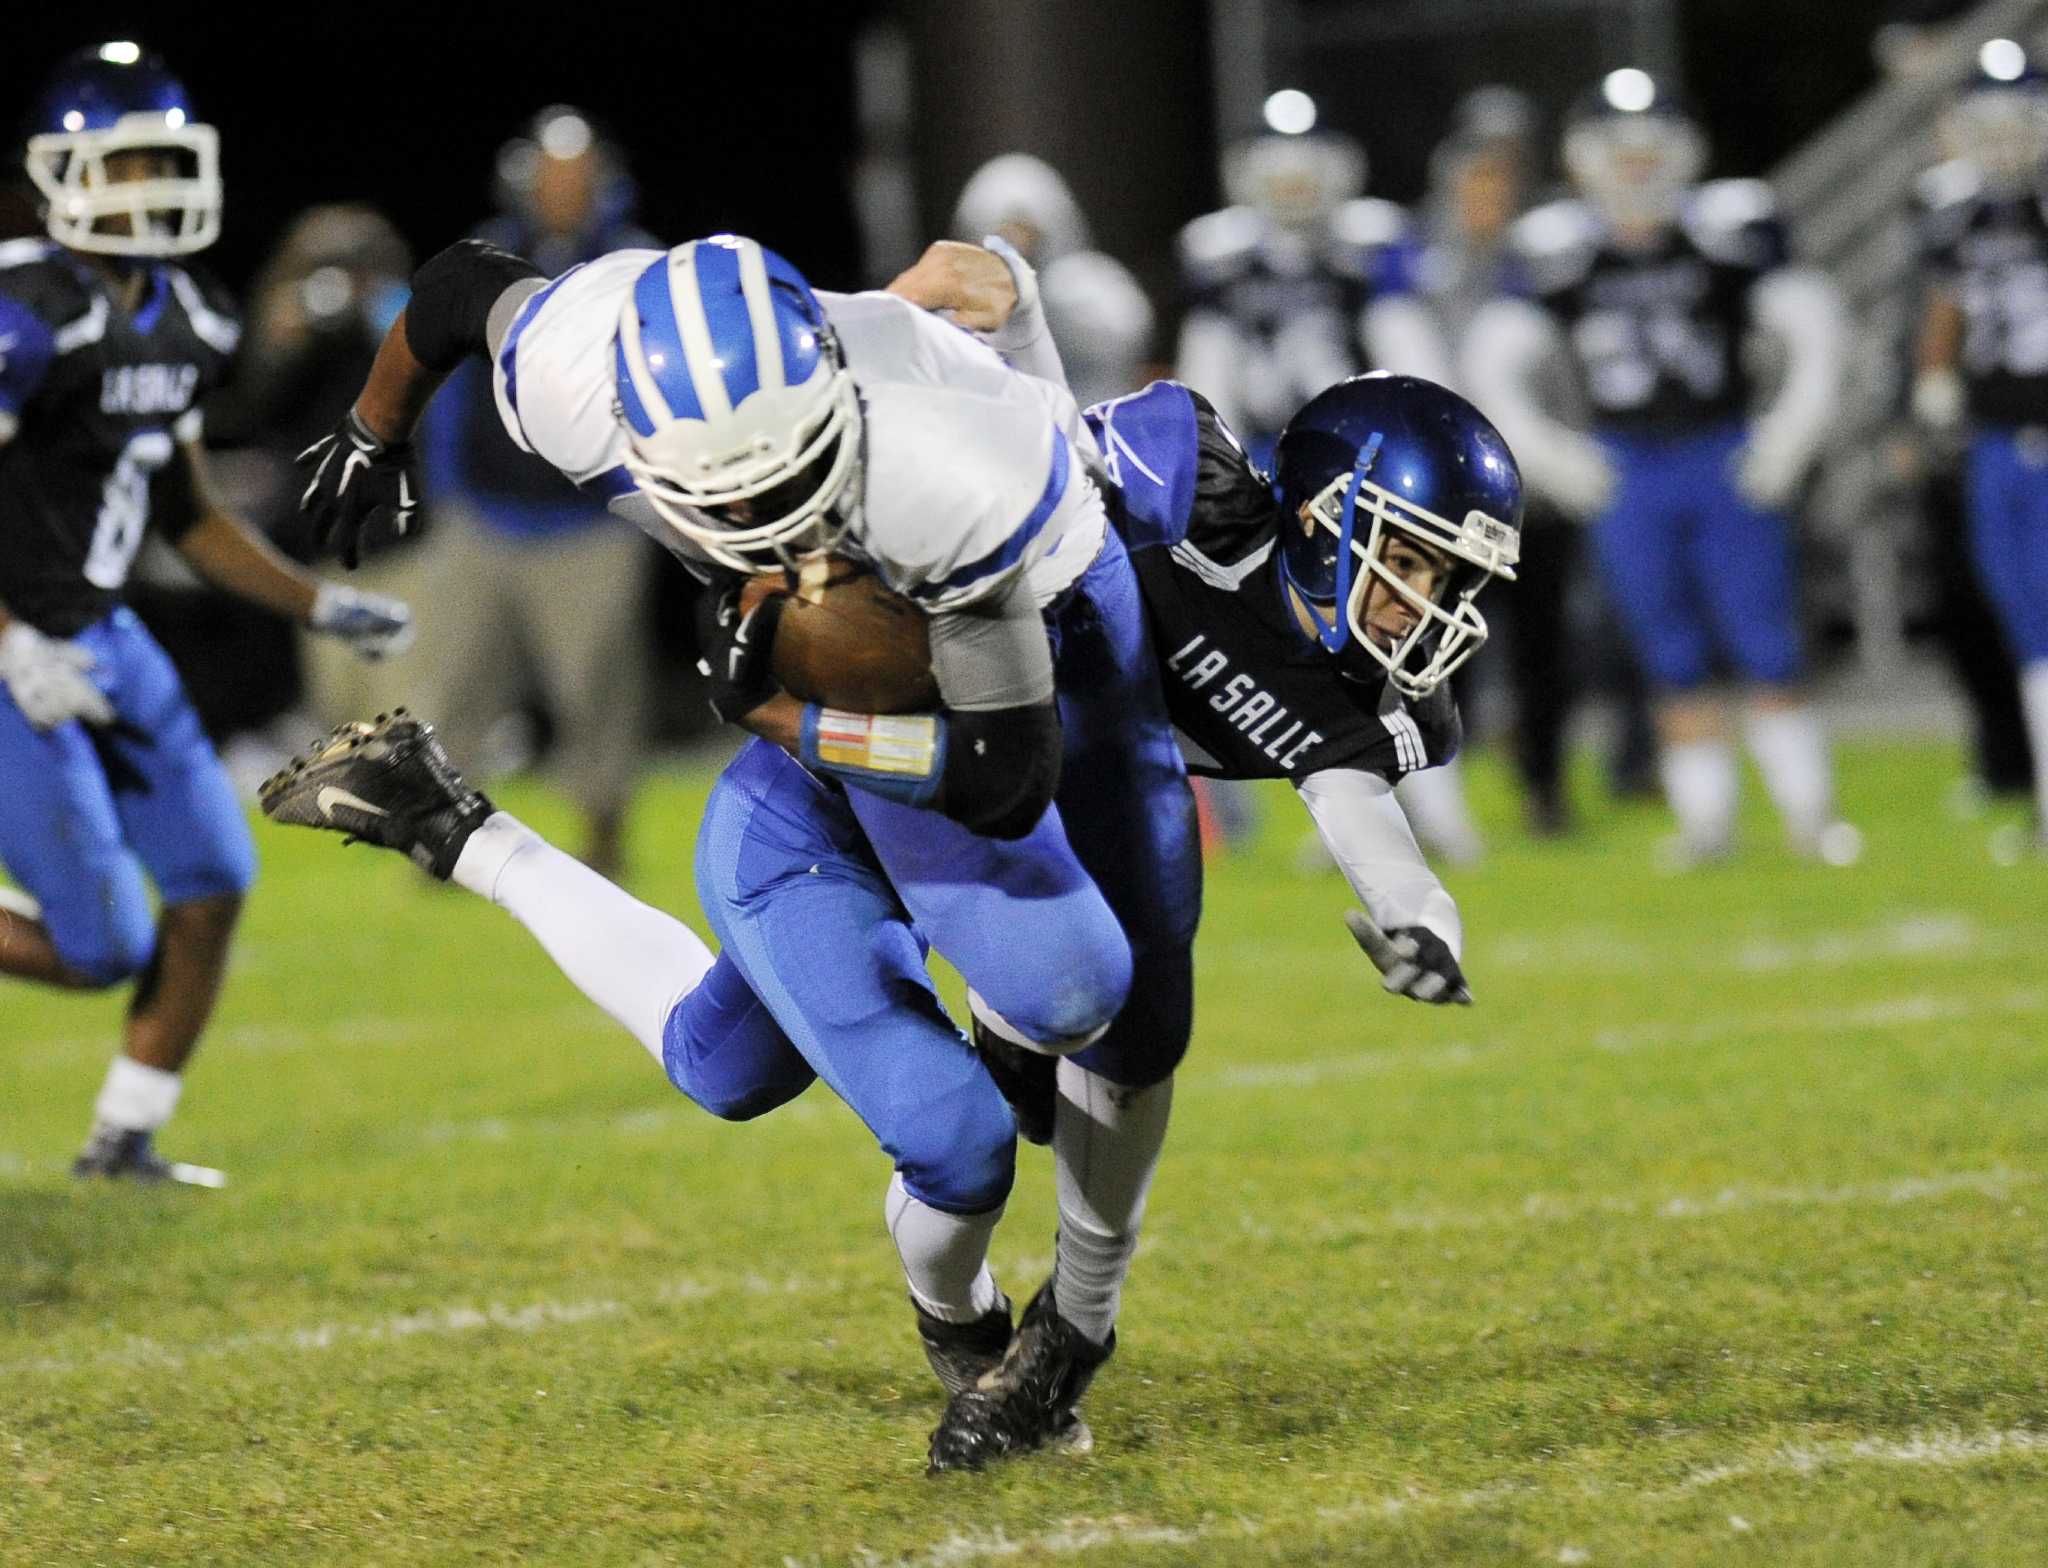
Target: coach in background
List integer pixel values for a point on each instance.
(1656, 287)
(537, 593)
(1983, 353)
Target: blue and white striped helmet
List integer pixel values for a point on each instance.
(742, 422)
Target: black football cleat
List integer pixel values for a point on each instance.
(961, 1352)
(129, 1154)
(1030, 1400)
(387, 783)
(1028, 1079)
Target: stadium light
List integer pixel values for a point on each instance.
(566, 136)
(2002, 60)
(1291, 111)
(1629, 90)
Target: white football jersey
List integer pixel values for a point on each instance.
(974, 472)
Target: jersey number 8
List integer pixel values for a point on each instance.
(124, 510)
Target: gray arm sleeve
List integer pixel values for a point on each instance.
(505, 307)
(993, 653)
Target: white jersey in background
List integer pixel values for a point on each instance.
(974, 472)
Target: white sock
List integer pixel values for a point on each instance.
(136, 1097)
(631, 960)
(1700, 783)
(945, 1256)
(1105, 1143)
(1792, 755)
(2034, 703)
(1434, 801)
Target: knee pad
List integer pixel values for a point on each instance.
(118, 949)
(1151, 1035)
(1068, 1004)
(957, 1153)
(723, 1049)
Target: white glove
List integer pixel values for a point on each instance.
(1579, 476)
(374, 627)
(1769, 466)
(50, 679)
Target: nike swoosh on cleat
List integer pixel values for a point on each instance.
(330, 797)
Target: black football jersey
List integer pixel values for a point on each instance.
(1296, 304)
(1656, 338)
(1992, 251)
(1250, 695)
(94, 402)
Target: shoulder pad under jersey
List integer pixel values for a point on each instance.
(35, 272)
(1219, 246)
(1948, 187)
(1094, 296)
(1736, 222)
(1150, 445)
(208, 307)
(1945, 199)
(1555, 244)
(1365, 225)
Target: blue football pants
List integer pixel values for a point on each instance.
(1693, 567)
(89, 818)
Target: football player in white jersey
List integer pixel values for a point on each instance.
(752, 424)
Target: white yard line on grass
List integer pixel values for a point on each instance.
(1894, 1012)
(456, 1318)
(1924, 935)
(533, 1317)
(1546, 1208)
(1122, 1533)
(1358, 1064)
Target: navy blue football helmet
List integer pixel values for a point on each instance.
(1380, 453)
(1999, 121)
(110, 99)
(1633, 150)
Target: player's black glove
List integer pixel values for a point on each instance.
(733, 650)
(358, 483)
(1413, 961)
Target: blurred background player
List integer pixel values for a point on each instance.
(537, 592)
(1094, 307)
(1559, 636)
(1656, 287)
(1294, 286)
(109, 777)
(1982, 365)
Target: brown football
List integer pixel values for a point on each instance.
(851, 644)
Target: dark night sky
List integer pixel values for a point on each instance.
(738, 116)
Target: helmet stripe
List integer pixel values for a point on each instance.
(796, 330)
(629, 395)
(761, 317)
(660, 341)
(700, 354)
(720, 267)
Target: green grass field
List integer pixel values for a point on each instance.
(1714, 1233)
